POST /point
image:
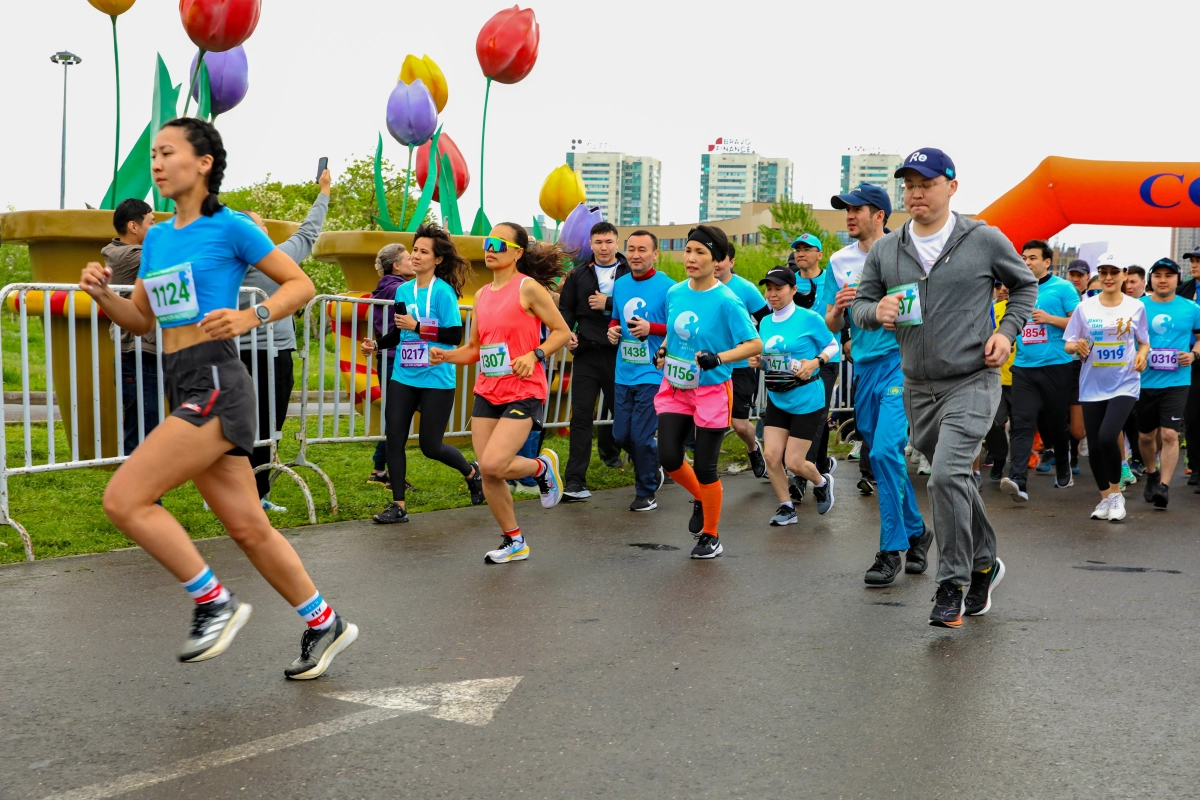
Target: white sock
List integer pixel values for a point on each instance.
(819, 485)
(205, 588)
(788, 503)
(316, 612)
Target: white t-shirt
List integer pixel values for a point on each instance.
(607, 276)
(1108, 370)
(930, 247)
(847, 265)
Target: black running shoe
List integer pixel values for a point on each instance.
(866, 487)
(1152, 481)
(644, 504)
(696, 523)
(979, 596)
(380, 479)
(884, 570)
(213, 627)
(1194, 478)
(796, 488)
(947, 606)
(707, 547)
(916, 561)
(475, 485)
(391, 515)
(757, 463)
(997, 470)
(317, 649)
(1160, 495)
(576, 493)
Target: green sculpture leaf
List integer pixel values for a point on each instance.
(166, 107)
(537, 230)
(427, 193)
(204, 109)
(384, 220)
(133, 178)
(481, 226)
(449, 199)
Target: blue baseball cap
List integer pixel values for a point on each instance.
(808, 240)
(930, 162)
(865, 194)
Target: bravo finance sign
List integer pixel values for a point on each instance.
(724, 144)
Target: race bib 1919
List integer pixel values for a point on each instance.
(172, 294)
(910, 305)
(1109, 354)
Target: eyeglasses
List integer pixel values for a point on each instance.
(494, 244)
(1109, 271)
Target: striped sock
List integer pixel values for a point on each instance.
(515, 535)
(205, 588)
(316, 612)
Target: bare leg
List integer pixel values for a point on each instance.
(496, 443)
(744, 429)
(1078, 432)
(796, 457)
(775, 441)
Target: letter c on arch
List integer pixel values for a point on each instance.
(1148, 185)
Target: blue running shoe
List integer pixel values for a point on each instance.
(550, 483)
(509, 550)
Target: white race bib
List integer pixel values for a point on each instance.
(777, 362)
(1164, 358)
(910, 305)
(1034, 333)
(681, 373)
(634, 351)
(494, 361)
(172, 294)
(414, 353)
(1109, 354)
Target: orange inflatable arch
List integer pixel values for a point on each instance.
(1064, 191)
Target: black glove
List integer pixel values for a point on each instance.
(707, 360)
(662, 352)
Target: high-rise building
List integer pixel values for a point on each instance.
(626, 189)
(876, 168)
(1184, 240)
(727, 180)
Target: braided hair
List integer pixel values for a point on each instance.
(206, 141)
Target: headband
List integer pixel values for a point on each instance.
(697, 235)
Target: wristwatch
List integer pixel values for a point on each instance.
(263, 313)
(821, 359)
(539, 354)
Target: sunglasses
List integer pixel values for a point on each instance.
(1109, 271)
(494, 244)
(1093, 292)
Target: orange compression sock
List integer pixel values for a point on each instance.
(685, 476)
(710, 496)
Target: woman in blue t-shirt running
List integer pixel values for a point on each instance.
(192, 268)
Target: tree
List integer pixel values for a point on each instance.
(793, 219)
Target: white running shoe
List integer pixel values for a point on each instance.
(923, 467)
(1102, 509)
(855, 450)
(832, 465)
(273, 508)
(1083, 448)
(551, 482)
(1116, 507)
(507, 551)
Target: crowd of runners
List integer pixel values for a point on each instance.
(964, 355)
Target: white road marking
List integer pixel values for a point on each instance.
(473, 702)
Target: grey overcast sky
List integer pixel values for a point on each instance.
(997, 85)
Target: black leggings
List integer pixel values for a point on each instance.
(435, 406)
(1103, 421)
(673, 431)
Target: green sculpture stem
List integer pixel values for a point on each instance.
(117, 137)
(482, 139)
(407, 180)
(192, 85)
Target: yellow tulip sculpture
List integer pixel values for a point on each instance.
(429, 73)
(114, 8)
(561, 193)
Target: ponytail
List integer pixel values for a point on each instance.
(206, 141)
(543, 262)
(454, 267)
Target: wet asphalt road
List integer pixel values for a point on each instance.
(770, 672)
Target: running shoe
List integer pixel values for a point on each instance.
(916, 560)
(507, 551)
(662, 479)
(1060, 484)
(575, 493)
(1116, 507)
(866, 487)
(318, 648)
(273, 508)
(1193, 478)
(855, 450)
(667, 479)
(947, 606)
(797, 486)
(979, 596)
(884, 570)
(475, 484)
(707, 546)
(824, 494)
(1160, 495)
(615, 463)
(977, 476)
(1083, 448)
(1127, 477)
(1014, 490)
(1045, 462)
(758, 464)
(923, 467)
(644, 504)
(391, 515)
(997, 470)
(786, 515)
(909, 453)
(550, 483)
(213, 627)
(696, 523)
(1152, 482)
(1101, 510)
(380, 479)
(831, 467)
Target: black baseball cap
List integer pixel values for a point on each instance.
(1166, 263)
(1079, 265)
(780, 276)
(1194, 254)
(865, 194)
(930, 162)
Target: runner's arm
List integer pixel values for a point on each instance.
(750, 347)
(536, 300)
(132, 314)
(295, 289)
(467, 354)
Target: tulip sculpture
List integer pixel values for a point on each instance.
(562, 191)
(507, 49)
(575, 236)
(412, 118)
(215, 26)
(114, 9)
(450, 178)
(426, 70)
(228, 81)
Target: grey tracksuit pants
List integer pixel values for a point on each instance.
(947, 427)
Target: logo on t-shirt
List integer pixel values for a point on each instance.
(632, 307)
(774, 341)
(1162, 324)
(687, 324)
(1124, 325)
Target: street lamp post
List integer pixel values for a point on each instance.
(67, 59)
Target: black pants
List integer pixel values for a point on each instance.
(673, 432)
(129, 396)
(1191, 421)
(435, 405)
(997, 438)
(1130, 429)
(592, 371)
(1103, 421)
(284, 381)
(1046, 391)
(818, 451)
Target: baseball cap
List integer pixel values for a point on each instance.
(807, 239)
(930, 162)
(1166, 263)
(1109, 260)
(865, 194)
(1079, 265)
(1194, 254)
(780, 276)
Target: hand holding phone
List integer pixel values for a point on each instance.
(322, 165)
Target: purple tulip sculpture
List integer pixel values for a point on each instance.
(575, 237)
(412, 119)
(228, 79)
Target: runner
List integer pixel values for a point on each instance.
(807, 251)
(638, 327)
(878, 392)
(1041, 375)
(192, 267)
(1104, 331)
(511, 388)
(393, 265)
(1079, 274)
(796, 347)
(996, 440)
(427, 318)
(745, 378)
(708, 329)
(1172, 323)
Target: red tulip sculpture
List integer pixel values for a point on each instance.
(507, 48)
(215, 26)
(447, 148)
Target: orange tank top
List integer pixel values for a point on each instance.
(502, 322)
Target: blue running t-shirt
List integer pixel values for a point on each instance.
(1172, 326)
(435, 302)
(845, 269)
(645, 299)
(714, 320)
(1042, 343)
(800, 334)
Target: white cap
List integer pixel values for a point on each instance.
(1108, 260)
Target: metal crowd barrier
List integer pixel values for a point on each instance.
(71, 411)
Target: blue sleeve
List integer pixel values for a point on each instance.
(828, 291)
(447, 307)
(741, 329)
(248, 241)
(1070, 299)
(755, 302)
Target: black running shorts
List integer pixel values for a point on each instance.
(1161, 408)
(526, 408)
(745, 390)
(208, 380)
(798, 426)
